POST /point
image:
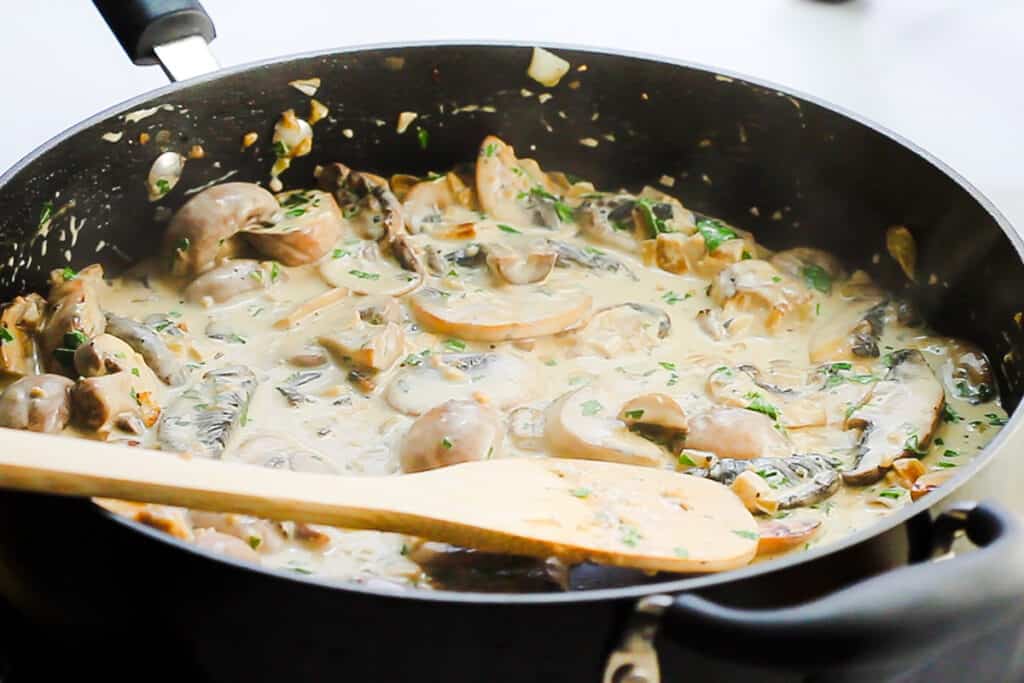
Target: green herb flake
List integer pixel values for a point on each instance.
(950, 453)
(551, 362)
(950, 415)
(301, 570)
(74, 339)
(508, 229)
(135, 395)
(255, 542)
(631, 536)
(893, 494)
(912, 445)
(423, 136)
(776, 279)
(236, 339)
(681, 553)
(363, 275)
(163, 186)
(275, 271)
(68, 274)
(455, 344)
(135, 371)
(671, 367)
(593, 250)
(634, 414)
(995, 420)
(338, 253)
(5, 335)
(714, 232)
(280, 149)
(580, 492)
(685, 459)
(46, 213)
(655, 225)
(945, 464)
(591, 407)
(749, 535)
(295, 213)
(759, 405)
(412, 360)
(671, 298)
(817, 278)
(182, 245)
(257, 275)
(746, 256)
(490, 149)
(447, 443)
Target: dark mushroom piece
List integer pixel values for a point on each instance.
(73, 315)
(590, 258)
(121, 400)
(898, 417)
(516, 190)
(521, 267)
(147, 342)
(38, 403)
(290, 387)
(19, 322)
(608, 219)
(308, 224)
(969, 374)
(203, 423)
(200, 231)
(792, 481)
(852, 334)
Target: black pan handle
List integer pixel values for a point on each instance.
(905, 615)
(141, 25)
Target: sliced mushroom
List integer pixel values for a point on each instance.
(968, 373)
(792, 481)
(526, 428)
(515, 190)
(106, 355)
(200, 230)
(290, 387)
(38, 403)
(361, 268)
(657, 410)
(202, 421)
(223, 544)
(280, 453)
(899, 416)
(745, 386)
(755, 492)
(229, 280)
(776, 536)
(587, 257)
(453, 432)
(20, 320)
(366, 200)
(499, 379)
(851, 335)
(622, 329)
(307, 226)
(427, 203)
(120, 400)
(520, 313)
(737, 433)
(371, 346)
(73, 315)
(521, 268)
(151, 346)
(608, 219)
(803, 262)
(261, 535)
(756, 286)
(583, 424)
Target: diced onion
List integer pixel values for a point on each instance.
(547, 68)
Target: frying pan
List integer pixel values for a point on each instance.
(873, 606)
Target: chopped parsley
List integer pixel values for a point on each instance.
(423, 136)
(508, 228)
(135, 395)
(68, 274)
(135, 371)
(656, 225)
(46, 213)
(163, 186)
(745, 256)
(950, 415)
(776, 279)
(236, 338)
(837, 373)
(980, 393)
(551, 362)
(255, 542)
(581, 492)
(945, 464)
(685, 459)
(275, 271)
(759, 405)
(562, 210)
(296, 212)
(338, 253)
(671, 298)
(183, 244)
(447, 443)
(634, 414)
(630, 536)
(455, 344)
(894, 494)
(5, 335)
(671, 367)
(743, 533)
(680, 552)
(591, 407)
(74, 339)
(950, 453)
(913, 446)
(714, 232)
(280, 149)
(995, 420)
(817, 278)
(350, 211)
(490, 149)
(723, 370)
(363, 275)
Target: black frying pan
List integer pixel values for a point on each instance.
(819, 177)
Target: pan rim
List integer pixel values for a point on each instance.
(677, 585)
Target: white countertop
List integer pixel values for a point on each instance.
(943, 73)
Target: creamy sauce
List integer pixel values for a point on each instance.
(553, 336)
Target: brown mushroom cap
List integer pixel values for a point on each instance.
(453, 432)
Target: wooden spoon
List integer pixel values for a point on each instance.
(577, 510)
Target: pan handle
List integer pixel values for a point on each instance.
(147, 29)
(900, 617)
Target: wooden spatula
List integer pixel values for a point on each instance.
(574, 509)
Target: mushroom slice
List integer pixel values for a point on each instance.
(968, 373)
(422, 383)
(758, 287)
(621, 329)
(587, 257)
(74, 315)
(280, 453)
(261, 535)
(608, 220)
(371, 346)
(515, 190)
(453, 432)
(792, 481)
(518, 268)
(307, 226)
(106, 355)
(711, 324)
(428, 203)
(119, 400)
(527, 311)
(776, 536)
(737, 433)
(852, 334)
(199, 231)
(289, 388)
(19, 322)
(229, 280)
(657, 410)
(362, 269)
(202, 420)
(38, 403)
(745, 386)
(223, 544)
(899, 416)
(526, 428)
(366, 200)
(151, 346)
(818, 268)
(583, 424)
